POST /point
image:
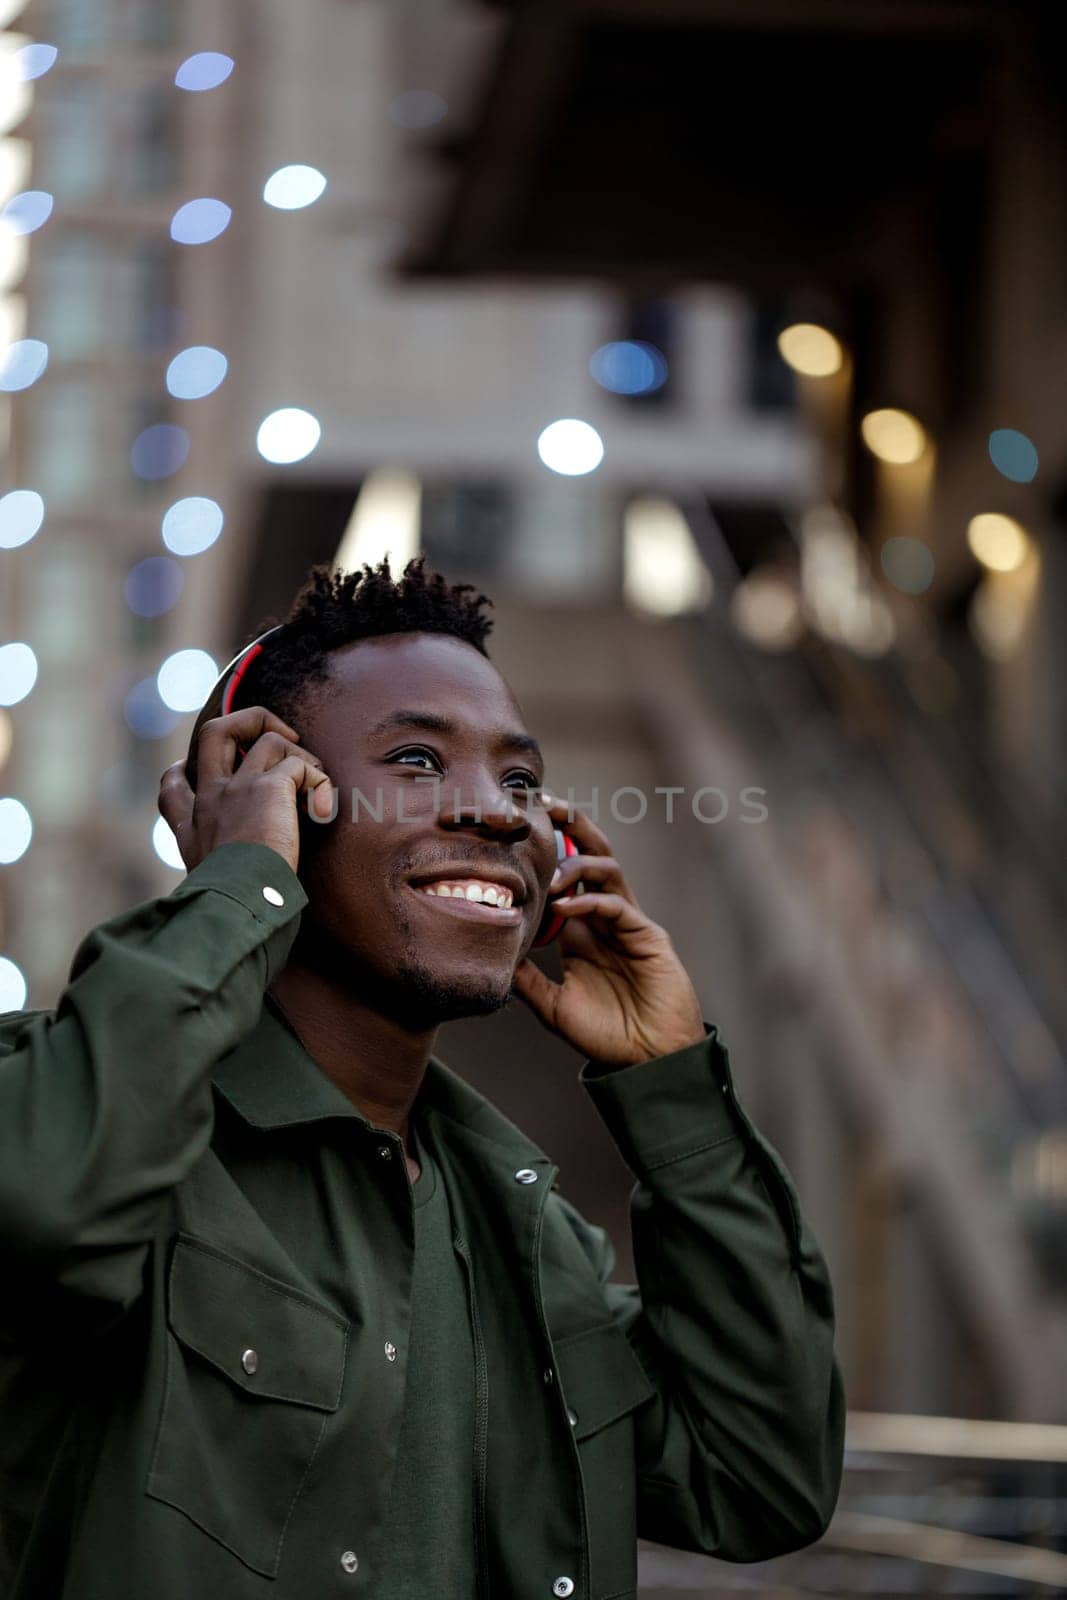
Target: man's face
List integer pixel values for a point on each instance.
(397, 713)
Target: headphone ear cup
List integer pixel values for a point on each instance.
(552, 922)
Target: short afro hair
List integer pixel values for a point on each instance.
(335, 608)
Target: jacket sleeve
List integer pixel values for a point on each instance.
(106, 1104)
(740, 1455)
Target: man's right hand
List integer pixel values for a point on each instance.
(257, 803)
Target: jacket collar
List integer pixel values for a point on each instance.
(272, 1082)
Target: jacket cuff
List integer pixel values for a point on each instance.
(670, 1107)
(254, 875)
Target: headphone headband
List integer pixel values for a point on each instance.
(220, 702)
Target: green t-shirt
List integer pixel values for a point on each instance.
(428, 1548)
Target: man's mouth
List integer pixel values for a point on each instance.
(479, 898)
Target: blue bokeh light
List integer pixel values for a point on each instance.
(18, 672)
(145, 713)
(196, 372)
(21, 516)
(28, 211)
(292, 188)
(192, 525)
(185, 679)
(418, 108)
(200, 221)
(22, 364)
(206, 70)
(34, 60)
(159, 451)
(629, 366)
(908, 564)
(153, 586)
(1013, 455)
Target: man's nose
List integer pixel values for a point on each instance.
(485, 805)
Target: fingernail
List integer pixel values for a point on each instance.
(555, 878)
(545, 798)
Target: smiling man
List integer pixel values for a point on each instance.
(288, 1307)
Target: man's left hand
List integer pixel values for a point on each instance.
(625, 996)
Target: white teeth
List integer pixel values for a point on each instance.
(489, 894)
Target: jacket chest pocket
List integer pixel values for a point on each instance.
(254, 1371)
(603, 1383)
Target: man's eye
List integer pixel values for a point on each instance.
(526, 780)
(416, 754)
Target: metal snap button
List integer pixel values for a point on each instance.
(390, 1351)
(250, 1361)
(385, 1152)
(547, 1374)
(272, 896)
(526, 1175)
(563, 1586)
(349, 1560)
(572, 1417)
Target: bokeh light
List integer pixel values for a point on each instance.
(765, 608)
(16, 95)
(186, 679)
(28, 211)
(570, 447)
(206, 70)
(13, 989)
(998, 542)
(159, 451)
(418, 108)
(629, 366)
(908, 564)
(16, 830)
(288, 435)
(196, 372)
(22, 364)
(21, 516)
(14, 255)
(810, 350)
(166, 845)
(145, 713)
(662, 569)
(34, 60)
(291, 188)
(1013, 455)
(153, 586)
(200, 221)
(192, 525)
(18, 673)
(893, 436)
(16, 160)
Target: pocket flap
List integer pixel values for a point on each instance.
(601, 1377)
(238, 1318)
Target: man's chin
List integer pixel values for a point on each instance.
(445, 997)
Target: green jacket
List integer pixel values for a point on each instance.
(194, 1399)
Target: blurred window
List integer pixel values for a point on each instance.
(146, 141)
(68, 450)
(467, 526)
(91, 25)
(657, 323)
(73, 147)
(95, 300)
(771, 385)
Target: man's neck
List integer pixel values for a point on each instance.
(375, 1063)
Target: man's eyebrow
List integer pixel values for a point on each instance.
(433, 722)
